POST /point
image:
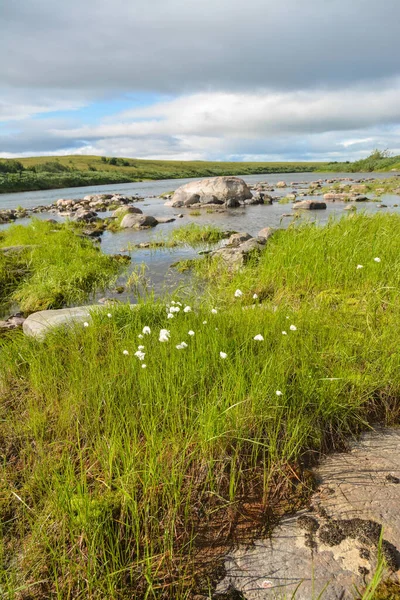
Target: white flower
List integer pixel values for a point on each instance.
(144, 366)
(109, 315)
(181, 346)
(184, 344)
(293, 328)
(140, 336)
(140, 347)
(146, 330)
(170, 316)
(258, 338)
(278, 393)
(377, 259)
(190, 332)
(180, 303)
(86, 324)
(214, 311)
(255, 296)
(125, 352)
(287, 317)
(174, 309)
(204, 322)
(223, 354)
(172, 301)
(238, 293)
(140, 355)
(164, 335)
(284, 332)
(359, 267)
(187, 309)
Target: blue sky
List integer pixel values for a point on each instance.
(220, 79)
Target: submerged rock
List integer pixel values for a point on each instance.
(309, 205)
(137, 221)
(215, 190)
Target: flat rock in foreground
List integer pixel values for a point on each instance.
(40, 323)
(333, 545)
(229, 191)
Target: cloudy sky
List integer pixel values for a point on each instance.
(200, 79)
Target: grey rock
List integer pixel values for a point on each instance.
(138, 221)
(238, 238)
(164, 219)
(214, 190)
(124, 210)
(236, 257)
(309, 205)
(86, 216)
(266, 232)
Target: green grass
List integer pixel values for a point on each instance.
(57, 268)
(193, 235)
(114, 476)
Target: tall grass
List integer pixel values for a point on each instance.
(113, 476)
(57, 267)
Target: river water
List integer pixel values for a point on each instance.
(157, 262)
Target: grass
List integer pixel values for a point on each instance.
(114, 478)
(56, 268)
(193, 235)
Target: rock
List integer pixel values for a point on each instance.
(215, 190)
(381, 206)
(335, 197)
(85, 216)
(256, 199)
(360, 198)
(164, 219)
(125, 210)
(238, 238)
(266, 233)
(236, 257)
(350, 207)
(333, 547)
(309, 205)
(281, 184)
(138, 221)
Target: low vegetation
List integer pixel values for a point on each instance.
(133, 446)
(52, 266)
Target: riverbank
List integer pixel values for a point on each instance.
(138, 448)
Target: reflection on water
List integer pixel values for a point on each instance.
(247, 219)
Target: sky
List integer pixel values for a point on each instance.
(200, 79)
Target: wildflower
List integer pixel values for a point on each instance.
(170, 316)
(377, 259)
(109, 315)
(125, 352)
(144, 366)
(238, 293)
(172, 301)
(214, 311)
(204, 322)
(184, 344)
(278, 393)
(146, 330)
(164, 335)
(359, 267)
(180, 303)
(258, 338)
(293, 328)
(140, 336)
(140, 354)
(190, 332)
(140, 347)
(179, 347)
(255, 296)
(174, 309)
(187, 309)
(223, 354)
(284, 332)
(86, 324)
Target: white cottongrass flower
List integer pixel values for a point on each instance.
(278, 393)
(172, 301)
(125, 352)
(140, 347)
(109, 315)
(191, 332)
(170, 316)
(204, 322)
(360, 267)
(86, 324)
(140, 336)
(180, 303)
(187, 309)
(258, 338)
(174, 309)
(223, 354)
(238, 293)
(284, 332)
(255, 296)
(293, 328)
(144, 366)
(214, 311)
(377, 259)
(140, 354)
(146, 330)
(180, 347)
(184, 345)
(164, 335)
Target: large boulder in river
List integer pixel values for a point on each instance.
(138, 221)
(124, 210)
(215, 190)
(309, 205)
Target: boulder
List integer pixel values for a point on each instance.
(86, 216)
(266, 233)
(215, 190)
(335, 197)
(281, 184)
(236, 257)
(125, 210)
(138, 221)
(238, 238)
(309, 205)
